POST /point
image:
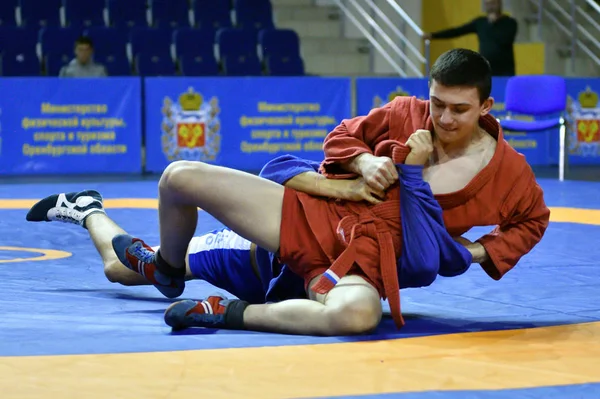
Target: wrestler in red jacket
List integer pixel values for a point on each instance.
(346, 252)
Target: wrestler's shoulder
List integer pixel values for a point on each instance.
(514, 165)
(409, 108)
(409, 102)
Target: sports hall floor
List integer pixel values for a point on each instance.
(66, 332)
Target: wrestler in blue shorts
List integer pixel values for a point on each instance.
(220, 257)
(232, 263)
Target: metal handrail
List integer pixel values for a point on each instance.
(389, 41)
(397, 31)
(576, 30)
(405, 17)
(409, 56)
(415, 27)
(560, 9)
(594, 5)
(589, 36)
(370, 38)
(579, 43)
(591, 20)
(596, 25)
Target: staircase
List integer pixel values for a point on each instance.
(570, 30)
(350, 37)
(325, 49)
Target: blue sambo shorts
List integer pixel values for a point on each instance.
(225, 260)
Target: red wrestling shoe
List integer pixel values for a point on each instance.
(142, 259)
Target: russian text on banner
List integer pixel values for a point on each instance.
(70, 126)
(241, 123)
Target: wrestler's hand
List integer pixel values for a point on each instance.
(421, 146)
(477, 250)
(379, 172)
(359, 190)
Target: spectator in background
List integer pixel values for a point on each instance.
(496, 33)
(83, 65)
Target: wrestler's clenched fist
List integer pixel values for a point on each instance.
(421, 146)
(378, 172)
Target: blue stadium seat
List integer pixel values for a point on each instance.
(284, 65)
(157, 64)
(115, 64)
(281, 52)
(84, 12)
(56, 40)
(235, 42)
(191, 41)
(149, 40)
(7, 12)
(253, 14)
(20, 63)
(279, 42)
(18, 39)
(40, 12)
(198, 65)
(108, 41)
(213, 14)
(127, 14)
(242, 65)
(55, 61)
(170, 13)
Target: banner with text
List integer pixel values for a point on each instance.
(241, 123)
(375, 92)
(70, 126)
(583, 116)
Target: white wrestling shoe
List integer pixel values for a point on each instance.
(67, 207)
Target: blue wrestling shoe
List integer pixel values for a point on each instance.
(141, 258)
(213, 312)
(67, 207)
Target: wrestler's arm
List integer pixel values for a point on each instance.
(281, 169)
(526, 220)
(314, 183)
(476, 250)
(301, 175)
(478, 253)
(352, 142)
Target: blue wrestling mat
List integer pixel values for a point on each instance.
(67, 331)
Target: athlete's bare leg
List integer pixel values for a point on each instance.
(353, 306)
(247, 204)
(102, 229)
(251, 207)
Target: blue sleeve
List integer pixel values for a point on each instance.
(427, 248)
(284, 167)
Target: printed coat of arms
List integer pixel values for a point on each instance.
(583, 124)
(399, 92)
(191, 128)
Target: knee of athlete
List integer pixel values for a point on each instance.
(177, 175)
(355, 318)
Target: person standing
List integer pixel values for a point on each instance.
(496, 33)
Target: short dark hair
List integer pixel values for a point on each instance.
(462, 67)
(84, 40)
